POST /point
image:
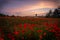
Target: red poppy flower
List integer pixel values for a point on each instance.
(45, 23)
(23, 31)
(33, 25)
(52, 30)
(20, 25)
(25, 25)
(46, 28)
(16, 32)
(40, 37)
(39, 31)
(9, 35)
(44, 33)
(50, 25)
(12, 38)
(30, 27)
(1, 38)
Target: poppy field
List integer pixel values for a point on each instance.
(29, 28)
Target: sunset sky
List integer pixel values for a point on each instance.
(27, 7)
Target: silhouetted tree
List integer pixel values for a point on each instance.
(12, 16)
(56, 13)
(49, 14)
(7, 15)
(2, 14)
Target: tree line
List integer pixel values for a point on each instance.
(55, 14)
(3, 15)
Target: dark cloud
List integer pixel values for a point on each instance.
(2, 2)
(6, 1)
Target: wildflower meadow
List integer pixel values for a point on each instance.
(23, 28)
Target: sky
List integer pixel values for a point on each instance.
(27, 7)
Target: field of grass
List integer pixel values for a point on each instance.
(29, 28)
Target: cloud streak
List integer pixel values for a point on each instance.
(11, 7)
